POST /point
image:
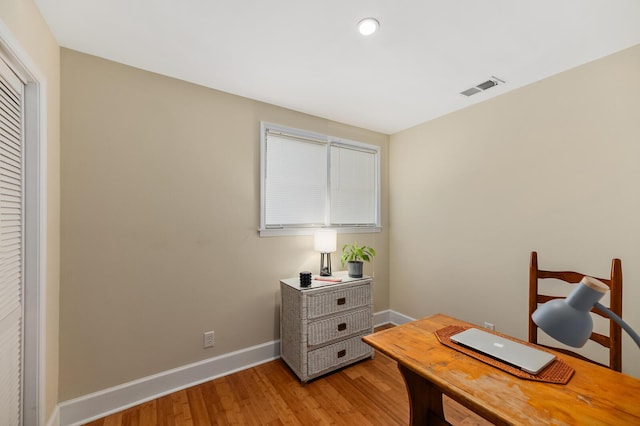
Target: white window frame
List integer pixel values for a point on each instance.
(267, 231)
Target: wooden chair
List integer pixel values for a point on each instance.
(614, 340)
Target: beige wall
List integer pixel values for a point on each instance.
(551, 167)
(160, 210)
(23, 20)
(161, 195)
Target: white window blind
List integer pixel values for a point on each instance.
(309, 180)
(353, 186)
(296, 181)
(11, 244)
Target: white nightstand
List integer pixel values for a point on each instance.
(321, 326)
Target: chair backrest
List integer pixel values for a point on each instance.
(614, 340)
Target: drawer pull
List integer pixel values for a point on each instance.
(342, 326)
(342, 301)
(342, 353)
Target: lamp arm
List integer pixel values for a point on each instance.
(620, 322)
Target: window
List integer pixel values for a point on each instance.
(311, 181)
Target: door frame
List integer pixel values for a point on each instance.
(35, 227)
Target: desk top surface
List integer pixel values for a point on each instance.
(595, 395)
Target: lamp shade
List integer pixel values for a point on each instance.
(568, 320)
(325, 240)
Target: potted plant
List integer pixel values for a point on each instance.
(354, 255)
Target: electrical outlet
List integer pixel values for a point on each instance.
(489, 326)
(209, 339)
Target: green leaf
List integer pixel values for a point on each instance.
(354, 252)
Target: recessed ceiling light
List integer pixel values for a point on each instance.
(368, 26)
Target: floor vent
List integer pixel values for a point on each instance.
(492, 82)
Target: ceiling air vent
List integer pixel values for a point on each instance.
(471, 91)
(492, 82)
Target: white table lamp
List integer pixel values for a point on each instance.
(325, 241)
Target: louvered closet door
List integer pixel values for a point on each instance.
(11, 245)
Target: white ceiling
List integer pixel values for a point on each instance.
(308, 56)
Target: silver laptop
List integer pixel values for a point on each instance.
(516, 354)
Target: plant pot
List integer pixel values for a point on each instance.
(355, 269)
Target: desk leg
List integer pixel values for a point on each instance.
(425, 400)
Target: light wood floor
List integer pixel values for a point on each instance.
(370, 392)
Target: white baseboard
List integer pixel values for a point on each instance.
(398, 319)
(54, 420)
(381, 318)
(99, 404)
(390, 317)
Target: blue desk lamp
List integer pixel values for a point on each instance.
(569, 321)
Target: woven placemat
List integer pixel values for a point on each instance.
(556, 372)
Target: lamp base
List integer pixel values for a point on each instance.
(325, 264)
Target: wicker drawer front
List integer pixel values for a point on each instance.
(337, 301)
(326, 330)
(337, 354)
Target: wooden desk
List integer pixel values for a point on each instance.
(594, 396)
